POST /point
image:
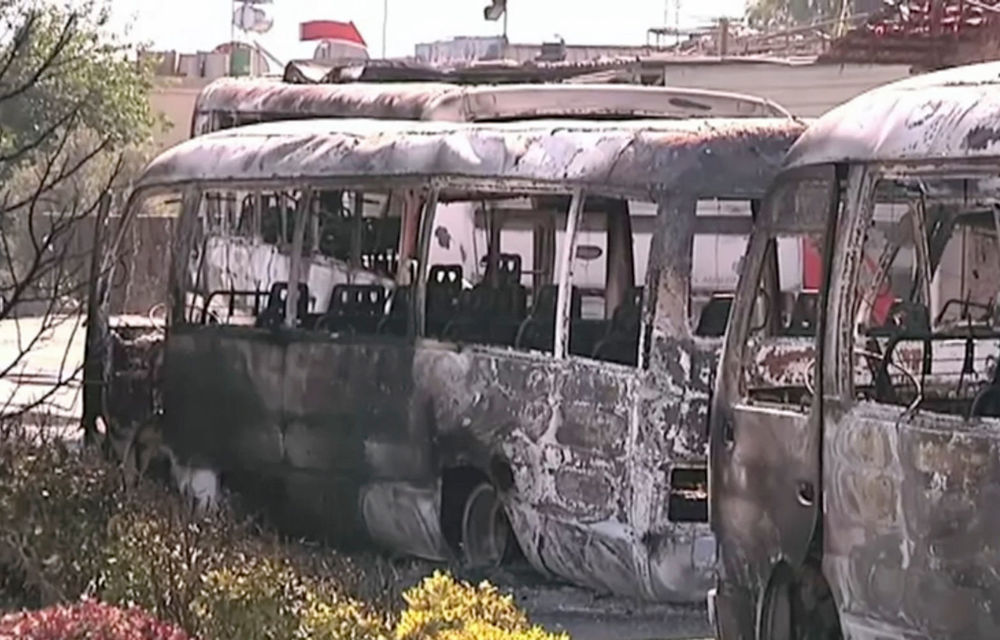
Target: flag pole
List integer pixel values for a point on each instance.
(232, 38)
(504, 52)
(385, 24)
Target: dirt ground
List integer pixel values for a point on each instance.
(582, 613)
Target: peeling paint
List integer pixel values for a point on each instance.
(228, 102)
(888, 504)
(352, 437)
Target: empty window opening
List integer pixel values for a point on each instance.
(717, 251)
(688, 495)
(241, 259)
(925, 294)
(493, 275)
(786, 266)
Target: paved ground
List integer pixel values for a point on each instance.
(586, 616)
(56, 353)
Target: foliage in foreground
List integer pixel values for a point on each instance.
(442, 609)
(87, 620)
(72, 530)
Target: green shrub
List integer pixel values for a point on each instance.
(441, 608)
(77, 532)
(333, 616)
(265, 598)
(216, 580)
(54, 507)
(156, 559)
(257, 599)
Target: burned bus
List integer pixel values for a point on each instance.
(855, 428)
(230, 102)
(513, 358)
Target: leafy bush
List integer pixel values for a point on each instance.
(265, 598)
(155, 558)
(87, 620)
(335, 617)
(54, 507)
(258, 599)
(442, 609)
(216, 576)
(219, 579)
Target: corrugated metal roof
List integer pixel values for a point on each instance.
(953, 114)
(703, 157)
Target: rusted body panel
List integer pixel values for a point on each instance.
(911, 523)
(516, 102)
(275, 100)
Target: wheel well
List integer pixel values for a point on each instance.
(810, 603)
(776, 609)
(456, 485)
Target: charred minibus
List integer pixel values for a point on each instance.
(855, 425)
(231, 102)
(455, 340)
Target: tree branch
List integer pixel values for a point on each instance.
(65, 37)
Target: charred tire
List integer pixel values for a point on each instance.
(776, 614)
(485, 529)
(798, 605)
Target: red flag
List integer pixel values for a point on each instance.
(330, 30)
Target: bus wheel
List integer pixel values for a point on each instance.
(485, 529)
(799, 606)
(776, 615)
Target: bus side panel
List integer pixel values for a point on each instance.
(911, 524)
(302, 425)
(222, 398)
(584, 484)
(552, 435)
(672, 446)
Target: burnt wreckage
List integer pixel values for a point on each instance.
(446, 339)
(854, 447)
(230, 102)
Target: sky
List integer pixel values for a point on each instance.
(193, 25)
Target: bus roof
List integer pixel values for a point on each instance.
(946, 115)
(402, 101)
(439, 101)
(733, 158)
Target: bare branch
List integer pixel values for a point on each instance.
(27, 148)
(59, 385)
(65, 37)
(21, 38)
(62, 177)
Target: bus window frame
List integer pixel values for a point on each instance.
(563, 267)
(424, 187)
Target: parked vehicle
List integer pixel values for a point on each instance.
(231, 102)
(451, 339)
(854, 428)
